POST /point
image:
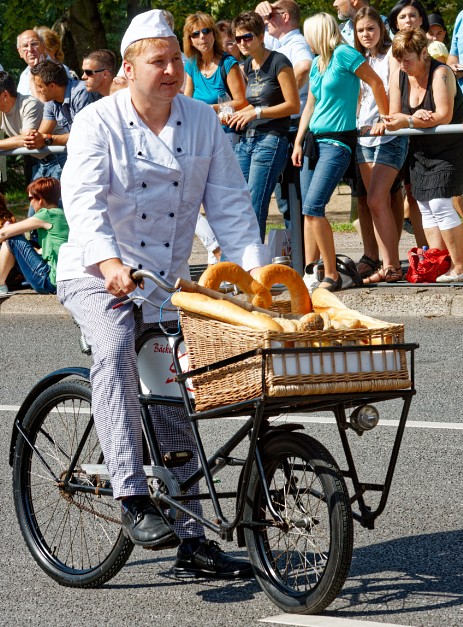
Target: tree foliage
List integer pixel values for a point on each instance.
(88, 24)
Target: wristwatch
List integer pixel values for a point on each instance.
(258, 111)
(48, 139)
(410, 122)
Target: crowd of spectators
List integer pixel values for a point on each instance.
(257, 71)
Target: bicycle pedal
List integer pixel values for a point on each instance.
(177, 458)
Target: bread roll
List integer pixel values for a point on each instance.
(213, 276)
(224, 311)
(288, 326)
(311, 322)
(298, 292)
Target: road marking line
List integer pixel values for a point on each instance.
(323, 621)
(411, 424)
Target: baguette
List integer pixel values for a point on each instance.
(326, 302)
(224, 311)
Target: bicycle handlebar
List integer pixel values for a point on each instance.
(139, 275)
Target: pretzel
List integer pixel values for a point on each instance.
(213, 276)
(277, 273)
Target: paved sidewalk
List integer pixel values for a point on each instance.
(392, 301)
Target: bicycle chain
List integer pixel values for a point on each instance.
(70, 499)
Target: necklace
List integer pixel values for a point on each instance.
(257, 76)
(206, 70)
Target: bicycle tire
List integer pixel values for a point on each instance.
(303, 563)
(75, 537)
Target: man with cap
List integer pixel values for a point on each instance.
(140, 164)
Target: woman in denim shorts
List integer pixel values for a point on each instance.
(331, 113)
(379, 157)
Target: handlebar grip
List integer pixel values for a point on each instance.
(135, 276)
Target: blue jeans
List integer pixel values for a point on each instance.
(262, 158)
(52, 166)
(318, 186)
(35, 269)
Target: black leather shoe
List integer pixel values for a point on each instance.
(144, 524)
(208, 560)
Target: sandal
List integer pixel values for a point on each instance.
(373, 266)
(386, 275)
(392, 274)
(376, 277)
(334, 285)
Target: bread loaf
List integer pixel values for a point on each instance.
(224, 311)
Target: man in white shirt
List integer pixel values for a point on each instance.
(140, 164)
(31, 49)
(282, 20)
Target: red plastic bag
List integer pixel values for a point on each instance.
(427, 265)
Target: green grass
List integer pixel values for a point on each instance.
(338, 227)
(16, 200)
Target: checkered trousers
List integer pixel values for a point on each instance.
(112, 335)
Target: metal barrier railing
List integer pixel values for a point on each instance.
(294, 200)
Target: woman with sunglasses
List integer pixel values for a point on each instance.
(211, 73)
(273, 97)
(39, 270)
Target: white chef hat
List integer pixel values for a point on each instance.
(145, 26)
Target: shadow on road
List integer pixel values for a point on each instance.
(415, 574)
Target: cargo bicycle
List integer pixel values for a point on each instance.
(293, 509)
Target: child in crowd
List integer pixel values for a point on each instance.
(39, 270)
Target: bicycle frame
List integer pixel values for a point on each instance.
(257, 426)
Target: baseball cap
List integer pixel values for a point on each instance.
(436, 20)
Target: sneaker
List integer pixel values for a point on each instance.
(208, 560)
(4, 291)
(144, 524)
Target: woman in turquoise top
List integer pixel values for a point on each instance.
(211, 73)
(39, 270)
(330, 114)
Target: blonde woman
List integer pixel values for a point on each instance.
(52, 42)
(330, 114)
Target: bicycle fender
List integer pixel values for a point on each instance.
(270, 433)
(47, 381)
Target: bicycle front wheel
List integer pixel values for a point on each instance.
(302, 561)
(75, 536)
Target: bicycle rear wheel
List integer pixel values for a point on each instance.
(74, 536)
(302, 562)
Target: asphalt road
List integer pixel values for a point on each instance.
(405, 572)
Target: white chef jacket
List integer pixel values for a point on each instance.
(130, 194)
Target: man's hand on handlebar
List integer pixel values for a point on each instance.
(118, 278)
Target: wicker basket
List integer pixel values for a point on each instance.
(290, 374)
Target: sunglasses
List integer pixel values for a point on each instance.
(92, 72)
(205, 31)
(247, 37)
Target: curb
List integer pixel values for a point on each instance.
(391, 302)
(29, 303)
